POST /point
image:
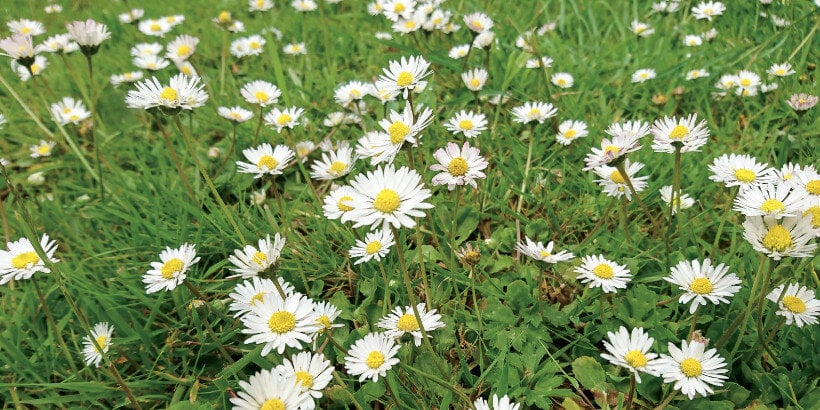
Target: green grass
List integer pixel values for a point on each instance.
(514, 327)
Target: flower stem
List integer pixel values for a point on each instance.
(386, 289)
(621, 166)
(631, 395)
(720, 227)
(674, 204)
(230, 151)
(53, 324)
(694, 322)
(454, 226)
(258, 125)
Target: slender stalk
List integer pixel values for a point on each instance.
(386, 289)
(422, 268)
(443, 383)
(176, 161)
(223, 62)
(228, 154)
(694, 322)
(667, 400)
(742, 318)
(53, 324)
(723, 219)
(674, 203)
(623, 220)
(118, 378)
(631, 394)
(346, 389)
(453, 227)
(258, 125)
(621, 166)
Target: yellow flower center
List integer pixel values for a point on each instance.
(170, 19)
(44, 149)
(66, 110)
(611, 149)
(603, 271)
(259, 297)
(387, 200)
(678, 132)
(570, 134)
(102, 341)
(342, 206)
(374, 359)
(398, 8)
(691, 367)
(398, 130)
(254, 45)
(409, 24)
(267, 163)
(235, 115)
(794, 304)
(635, 358)
(644, 75)
(408, 323)
(373, 247)
(284, 119)
(24, 260)
(465, 125)
(745, 175)
(260, 3)
(475, 83)
(25, 30)
(273, 404)
(778, 239)
(355, 94)
(745, 82)
(616, 177)
(815, 215)
(476, 25)
(261, 96)
(260, 258)
(772, 205)
(701, 286)
(780, 71)
(156, 27)
(74, 117)
(224, 17)
(183, 50)
(169, 94)
(171, 268)
(544, 254)
(458, 166)
(534, 112)
(282, 322)
(324, 321)
(304, 378)
(813, 187)
(35, 68)
(337, 167)
(404, 79)
(561, 82)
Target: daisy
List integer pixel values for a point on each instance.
(641, 29)
(151, 62)
(707, 10)
(312, 373)
(470, 255)
(20, 48)
(771, 200)
(789, 170)
(475, 79)
(478, 22)
(170, 272)
(727, 81)
(388, 197)
(539, 62)
(562, 80)
(696, 73)
(692, 40)
(265, 160)
(40, 63)
(249, 293)
(748, 81)
(130, 77)
(802, 102)
(569, 131)
(643, 75)
(458, 166)
(483, 40)
(295, 49)
(808, 180)
(61, 43)
(281, 323)
(174, 20)
(268, 389)
(702, 282)
(409, 25)
(625, 139)
(234, 114)
(394, 10)
(261, 93)
(21, 261)
(131, 16)
(334, 164)
(630, 350)
(303, 5)
(53, 8)
(69, 110)
(788, 237)
(533, 111)
(350, 93)
(250, 261)
(600, 272)
(459, 52)
(781, 70)
(26, 27)
(338, 202)
(43, 149)
(88, 34)
(404, 75)
(401, 321)
(684, 133)
(146, 49)
(326, 313)
(260, 5)
(499, 403)
(538, 251)
(181, 48)
(740, 170)
(684, 202)
(281, 119)
(400, 128)
(467, 123)
(376, 245)
(797, 304)
(372, 356)
(182, 92)
(153, 27)
(692, 369)
(102, 335)
(255, 44)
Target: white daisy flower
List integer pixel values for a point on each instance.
(692, 40)
(312, 373)
(278, 323)
(781, 70)
(265, 160)
(684, 202)
(641, 29)
(376, 245)
(234, 114)
(401, 321)
(40, 63)
(267, 389)
(181, 48)
(630, 350)
(707, 10)
(295, 49)
(334, 164)
(388, 197)
(372, 356)
(26, 27)
(399, 128)
(185, 67)
(154, 27)
(250, 261)
(643, 75)
(499, 403)
(248, 294)
(281, 119)
(151, 62)
(797, 304)
(19, 47)
(691, 369)
(740, 170)
(808, 180)
(601, 272)
(538, 251)
(533, 111)
(174, 20)
(459, 52)
(261, 93)
(61, 43)
(458, 166)
(544, 61)
(727, 81)
(409, 25)
(53, 8)
(696, 73)
(338, 202)
(183, 92)
(170, 272)
(702, 282)
(43, 149)
(475, 79)
(349, 93)
(394, 10)
(748, 82)
(562, 80)
(468, 123)
(326, 314)
(569, 131)
(687, 133)
(260, 5)
(404, 75)
(614, 183)
(131, 16)
(484, 39)
(69, 110)
(303, 5)
(771, 200)
(478, 22)
(21, 261)
(146, 49)
(129, 77)
(788, 237)
(102, 334)
(382, 35)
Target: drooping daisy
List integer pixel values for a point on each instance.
(102, 335)
(372, 356)
(261, 93)
(475, 79)
(684, 202)
(601, 272)
(183, 92)
(458, 166)
(740, 170)
(499, 403)
(248, 294)
(250, 261)
(643, 75)
(771, 200)
(171, 271)
(21, 261)
(334, 164)
(538, 251)
(376, 245)
(697, 73)
(69, 110)
(569, 131)
(686, 133)
(281, 119)
(625, 139)
(533, 111)
(692, 368)
(702, 282)
(468, 123)
(278, 323)
(26, 27)
(312, 373)
(388, 197)
(789, 237)
(400, 128)
(630, 350)
(404, 75)
(265, 160)
(338, 202)
(781, 70)
(181, 48)
(267, 389)
(562, 80)
(797, 304)
(707, 10)
(235, 114)
(43, 149)
(641, 29)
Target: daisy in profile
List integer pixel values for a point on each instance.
(170, 271)
(154, 27)
(268, 389)
(250, 261)
(614, 183)
(303, 5)
(129, 77)
(182, 92)
(538, 251)
(400, 128)
(88, 34)
(702, 282)
(685, 133)
(562, 80)
(458, 166)
(376, 245)
(334, 164)
(69, 110)
(326, 314)
(569, 131)
(352, 92)
(26, 27)
(338, 202)
(708, 10)
(641, 29)
(544, 61)
(625, 139)
(630, 350)
(261, 93)
(696, 73)
(771, 200)
(788, 237)
(295, 49)
(312, 373)
(260, 5)
(478, 22)
(797, 304)
(684, 202)
(20, 48)
(467, 123)
(601, 272)
(386, 197)
(740, 170)
(43, 149)
(102, 335)
(281, 119)
(181, 48)
(372, 356)
(692, 368)
(21, 261)
(475, 79)
(248, 294)
(404, 75)
(459, 52)
(234, 114)
(643, 75)
(781, 70)
(279, 323)
(533, 111)
(265, 160)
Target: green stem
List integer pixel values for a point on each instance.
(386, 288)
(694, 322)
(621, 166)
(453, 227)
(53, 324)
(723, 219)
(631, 394)
(674, 203)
